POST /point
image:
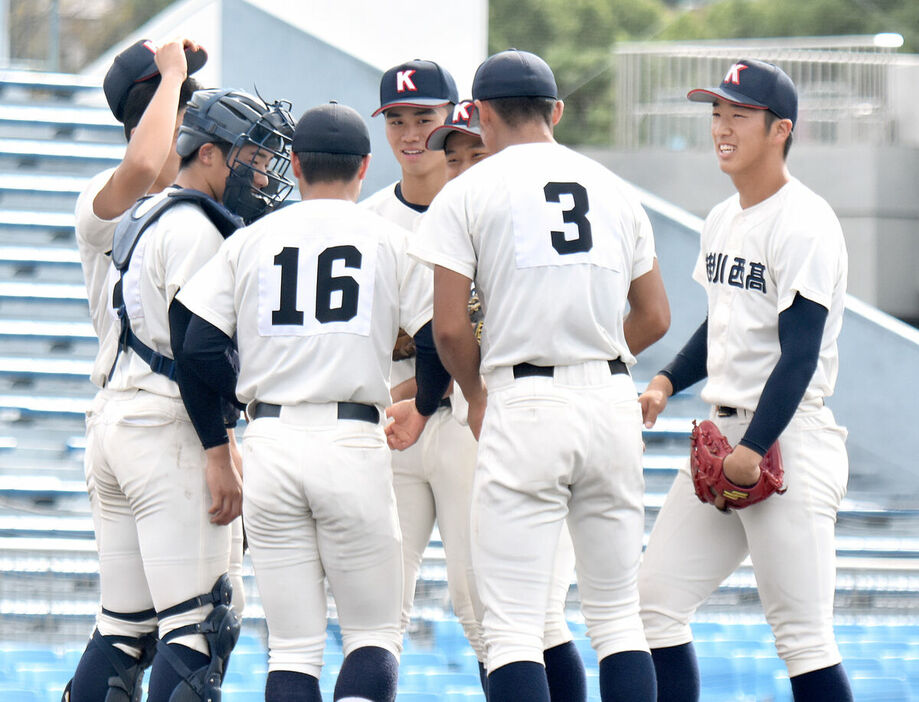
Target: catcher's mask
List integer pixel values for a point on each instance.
(239, 119)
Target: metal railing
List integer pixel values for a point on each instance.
(845, 88)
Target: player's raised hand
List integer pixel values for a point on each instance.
(224, 484)
(170, 57)
(407, 424)
(654, 399)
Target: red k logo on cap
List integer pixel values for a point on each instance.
(461, 112)
(404, 81)
(733, 74)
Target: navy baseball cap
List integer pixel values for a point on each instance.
(136, 64)
(755, 84)
(459, 122)
(416, 83)
(514, 73)
(331, 129)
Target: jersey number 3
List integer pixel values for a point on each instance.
(327, 285)
(577, 214)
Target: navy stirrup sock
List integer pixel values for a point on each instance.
(628, 676)
(288, 686)
(565, 673)
(824, 684)
(164, 678)
(522, 680)
(370, 673)
(677, 673)
(90, 681)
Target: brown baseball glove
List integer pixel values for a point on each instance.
(708, 450)
(405, 346)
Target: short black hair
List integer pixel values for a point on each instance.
(322, 167)
(515, 111)
(141, 94)
(771, 118)
(224, 147)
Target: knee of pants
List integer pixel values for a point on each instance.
(192, 616)
(806, 648)
(557, 631)
(663, 625)
(115, 626)
(611, 637)
(512, 647)
(388, 638)
(300, 655)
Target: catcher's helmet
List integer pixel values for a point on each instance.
(237, 118)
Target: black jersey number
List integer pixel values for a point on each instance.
(326, 285)
(576, 215)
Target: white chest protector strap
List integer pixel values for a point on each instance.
(127, 234)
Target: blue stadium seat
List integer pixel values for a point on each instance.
(423, 660)
(719, 677)
(879, 689)
(870, 667)
(18, 694)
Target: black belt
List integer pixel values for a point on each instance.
(723, 411)
(525, 370)
(346, 410)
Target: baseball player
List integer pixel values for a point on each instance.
(433, 479)
(146, 88)
(773, 263)
(316, 293)
(556, 245)
(463, 147)
(415, 98)
(163, 554)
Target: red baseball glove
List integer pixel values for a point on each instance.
(708, 450)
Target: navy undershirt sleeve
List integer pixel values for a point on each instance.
(431, 377)
(690, 364)
(800, 336)
(205, 373)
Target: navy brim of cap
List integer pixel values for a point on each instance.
(703, 95)
(438, 138)
(195, 60)
(420, 102)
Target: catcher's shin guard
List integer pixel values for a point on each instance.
(220, 629)
(126, 684)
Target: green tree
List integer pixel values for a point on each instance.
(576, 38)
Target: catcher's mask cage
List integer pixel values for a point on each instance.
(239, 119)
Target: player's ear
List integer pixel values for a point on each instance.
(365, 164)
(781, 128)
(557, 111)
(295, 166)
(206, 153)
(484, 112)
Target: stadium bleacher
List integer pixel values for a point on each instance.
(49, 146)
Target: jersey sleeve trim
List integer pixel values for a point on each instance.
(788, 298)
(437, 258)
(208, 315)
(423, 317)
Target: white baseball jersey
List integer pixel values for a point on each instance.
(166, 256)
(94, 242)
(389, 204)
(752, 263)
(554, 275)
(316, 293)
